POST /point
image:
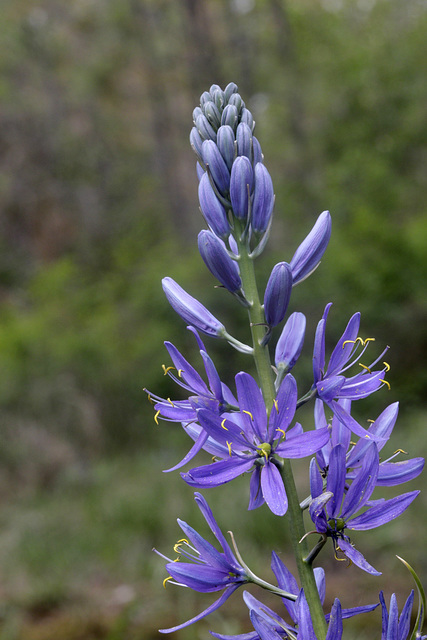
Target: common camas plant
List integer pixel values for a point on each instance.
(250, 429)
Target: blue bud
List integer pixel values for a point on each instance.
(191, 310)
(218, 98)
(205, 129)
(226, 144)
(205, 97)
(290, 343)
(237, 101)
(229, 90)
(277, 293)
(217, 167)
(196, 113)
(196, 143)
(244, 140)
(212, 113)
(242, 177)
(310, 251)
(263, 199)
(247, 118)
(200, 171)
(212, 209)
(230, 116)
(217, 260)
(256, 151)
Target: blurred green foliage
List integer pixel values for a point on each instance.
(98, 202)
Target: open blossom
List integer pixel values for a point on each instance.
(333, 510)
(208, 569)
(330, 383)
(252, 441)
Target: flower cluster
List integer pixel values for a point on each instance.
(249, 428)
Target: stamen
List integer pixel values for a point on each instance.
(170, 401)
(223, 425)
(150, 399)
(282, 431)
(385, 382)
(401, 451)
(165, 581)
(167, 369)
(180, 372)
(370, 420)
(367, 340)
(179, 543)
(276, 405)
(229, 447)
(358, 339)
(249, 414)
(156, 415)
(387, 366)
(364, 367)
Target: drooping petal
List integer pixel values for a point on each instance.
(187, 372)
(256, 499)
(263, 629)
(319, 346)
(304, 444)
(382, 427)
(310, 251)
(305, 625)
(364, 483)
(335, 628)
(391, 474)
(213, 607)
(216, 530)
(197, 446)
(251, 404)
(273, 489)
(357, 558)
(284, 408)
(345, 345)
(336, 479)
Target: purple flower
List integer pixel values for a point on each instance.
(252, 442)
(218, 261)
(309, 253)
(191, 310)
(389, 473)
(208, 569)
(331, 385)
(333, 510)
(277, 293)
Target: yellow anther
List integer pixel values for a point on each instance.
(370, 420)
(387, 366)
(385, 382)
(401, 451)
(156, 415)
(229, 447)
(348, 342)
(367, 340)
(223, 425)
(249, 414)
(353, 443)
(180, 372)
(178, 544)
(165, 581)
(364, 367)
(170, 402)
(150, 399)
(276, 405)
(166, 369)
(282, 431)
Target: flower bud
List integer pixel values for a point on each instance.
(277, 293)
(290, 343)
(218, 261)
(191, 310)
(196, 113)
(263, 199)
(205, 129)
(196, 142)
(226, 144)
(204, 98)
(218, 98)
(241, 185)
(256, 151)
(212, 209)
(200, 171)
(247, 117)
(237, 101)
(309, 253)
(212, 113)
(230, 116)
(244, 140)
(217, 167)
(229, 90)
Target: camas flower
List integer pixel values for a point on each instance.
(331, 385)
(333, 510)
(208, 569)
(389, 473)
(215, 395)
(253, 442)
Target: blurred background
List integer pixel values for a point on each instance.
(98, 202)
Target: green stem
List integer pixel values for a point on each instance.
(266, 381)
